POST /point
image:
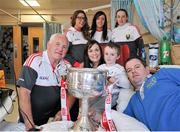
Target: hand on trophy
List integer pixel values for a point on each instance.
(95, 118)
(111, 80)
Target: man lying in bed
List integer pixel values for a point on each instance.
(156, 102)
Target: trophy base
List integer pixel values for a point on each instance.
(82, 124)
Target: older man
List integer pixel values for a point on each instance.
(156, 102)
(39, 92)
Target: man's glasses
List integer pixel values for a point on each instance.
(81, 18)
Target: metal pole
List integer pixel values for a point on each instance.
(36, 11)
(172, 24)
(10, 15)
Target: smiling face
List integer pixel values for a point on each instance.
(94, 54)
(80, 21)
(100, 22)
(57, 47)
(136, 72)
(121, 18)
(110, 55)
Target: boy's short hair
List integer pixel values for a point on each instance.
(114, 46)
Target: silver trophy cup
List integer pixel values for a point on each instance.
(84, 83)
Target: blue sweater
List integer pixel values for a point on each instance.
(160, 108)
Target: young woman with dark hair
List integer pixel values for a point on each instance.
(99, 29)
(128, 37)
(93, 55)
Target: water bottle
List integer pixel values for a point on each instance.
(153, 55)
(165, 58)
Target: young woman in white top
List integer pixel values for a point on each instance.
(99, 30)
(128, 36)
(78, 36)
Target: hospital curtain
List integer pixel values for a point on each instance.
(49, 29)
(151, 16)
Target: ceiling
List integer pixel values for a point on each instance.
(55, 4)
(57, 10)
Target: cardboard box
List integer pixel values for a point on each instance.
(175, 54)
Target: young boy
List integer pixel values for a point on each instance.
(116, 72)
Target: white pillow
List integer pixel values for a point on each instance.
(123, 99)
(124, 122)
(57, 126)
